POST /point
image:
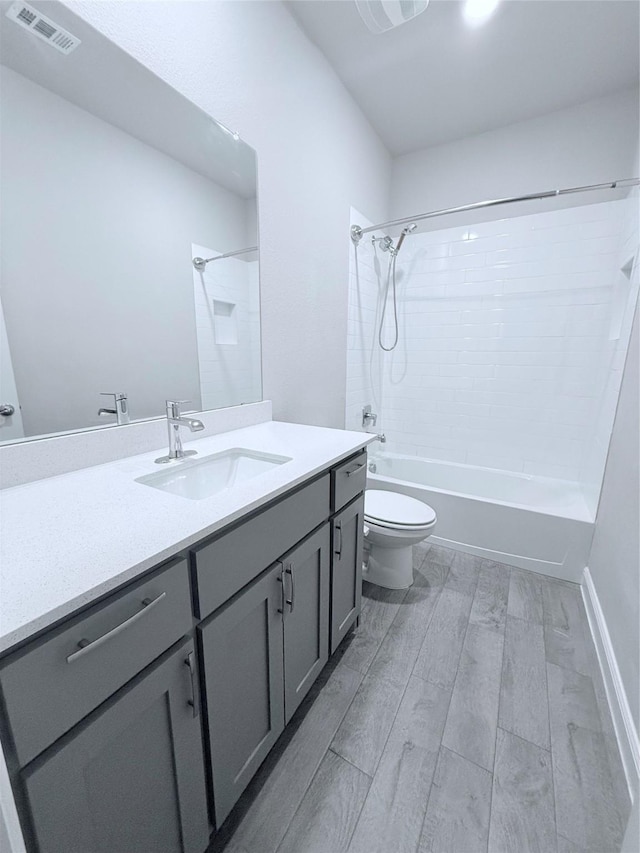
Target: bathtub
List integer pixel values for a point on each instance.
(536, 523)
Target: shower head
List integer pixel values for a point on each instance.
(386, 243)
(403, 234)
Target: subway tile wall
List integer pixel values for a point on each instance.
(623, 304)
(505, 358)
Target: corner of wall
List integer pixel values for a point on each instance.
(625, 731)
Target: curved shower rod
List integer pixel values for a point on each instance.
(357, 232)
(201, 263)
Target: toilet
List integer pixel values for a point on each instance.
(394, 523)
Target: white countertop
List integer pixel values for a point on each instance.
(67, 540)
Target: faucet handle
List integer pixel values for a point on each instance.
(173, 407)
(117, 395)
(368, 417)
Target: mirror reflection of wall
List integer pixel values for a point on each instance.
(99, 228)
(228, 326)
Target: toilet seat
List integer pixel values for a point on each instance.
(395, 511)
(380, 525)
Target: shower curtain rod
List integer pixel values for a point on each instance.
(200, 263)
(357, 232)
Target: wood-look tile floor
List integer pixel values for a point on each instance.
(465, 714)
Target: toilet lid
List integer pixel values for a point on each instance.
(393, 508)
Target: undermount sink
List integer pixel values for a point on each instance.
(201, 478)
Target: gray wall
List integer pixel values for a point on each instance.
(96, 264)
(615, 554)
(586, 144)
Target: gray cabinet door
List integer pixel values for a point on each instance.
(130, 777)
(305, 582)
(346, 569)
(242, 654)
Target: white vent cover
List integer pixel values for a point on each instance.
(383, 15)
(43, 27)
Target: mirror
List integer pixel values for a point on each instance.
(112, 183)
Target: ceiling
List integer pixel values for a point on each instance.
(435, 79)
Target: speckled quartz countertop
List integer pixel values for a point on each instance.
(67, 540)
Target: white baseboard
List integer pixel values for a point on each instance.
(626, 734)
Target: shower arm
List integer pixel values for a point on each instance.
(357, 232)
(201, 263)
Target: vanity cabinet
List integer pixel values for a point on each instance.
(137, 723)
(131, 776)
(305, 618)
(347, 534)
(242, 665)
(348, 482)
(261, 653)
(53, 683)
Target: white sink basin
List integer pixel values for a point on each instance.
(200, 478)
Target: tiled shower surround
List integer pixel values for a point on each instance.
(512, 340)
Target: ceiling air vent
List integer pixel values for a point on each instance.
(43, 27)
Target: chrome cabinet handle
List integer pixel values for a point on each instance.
(280, 580)
(192, 678)
(338, 529)
(291, 601)
(355, 470)
(86, 646)
(6, 410)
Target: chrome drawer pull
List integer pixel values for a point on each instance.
(193, 702)
(280, 580)
(337, 550)
(355, 470)
(291, 601)
(86, 645)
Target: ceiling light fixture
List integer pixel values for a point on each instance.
(383, 15)
(477, 12)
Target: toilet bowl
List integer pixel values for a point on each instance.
(394, 523)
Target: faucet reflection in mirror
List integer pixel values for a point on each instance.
(158, 183)
(174, 421)
(120, 406)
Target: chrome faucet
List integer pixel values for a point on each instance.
(382, 438)
(174, 421)
(120, 406)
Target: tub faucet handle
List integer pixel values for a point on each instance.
(369, 418)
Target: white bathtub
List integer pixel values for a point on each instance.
(536, 523)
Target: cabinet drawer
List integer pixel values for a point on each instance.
(348, 480)
(224, 566)
(55, 682)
